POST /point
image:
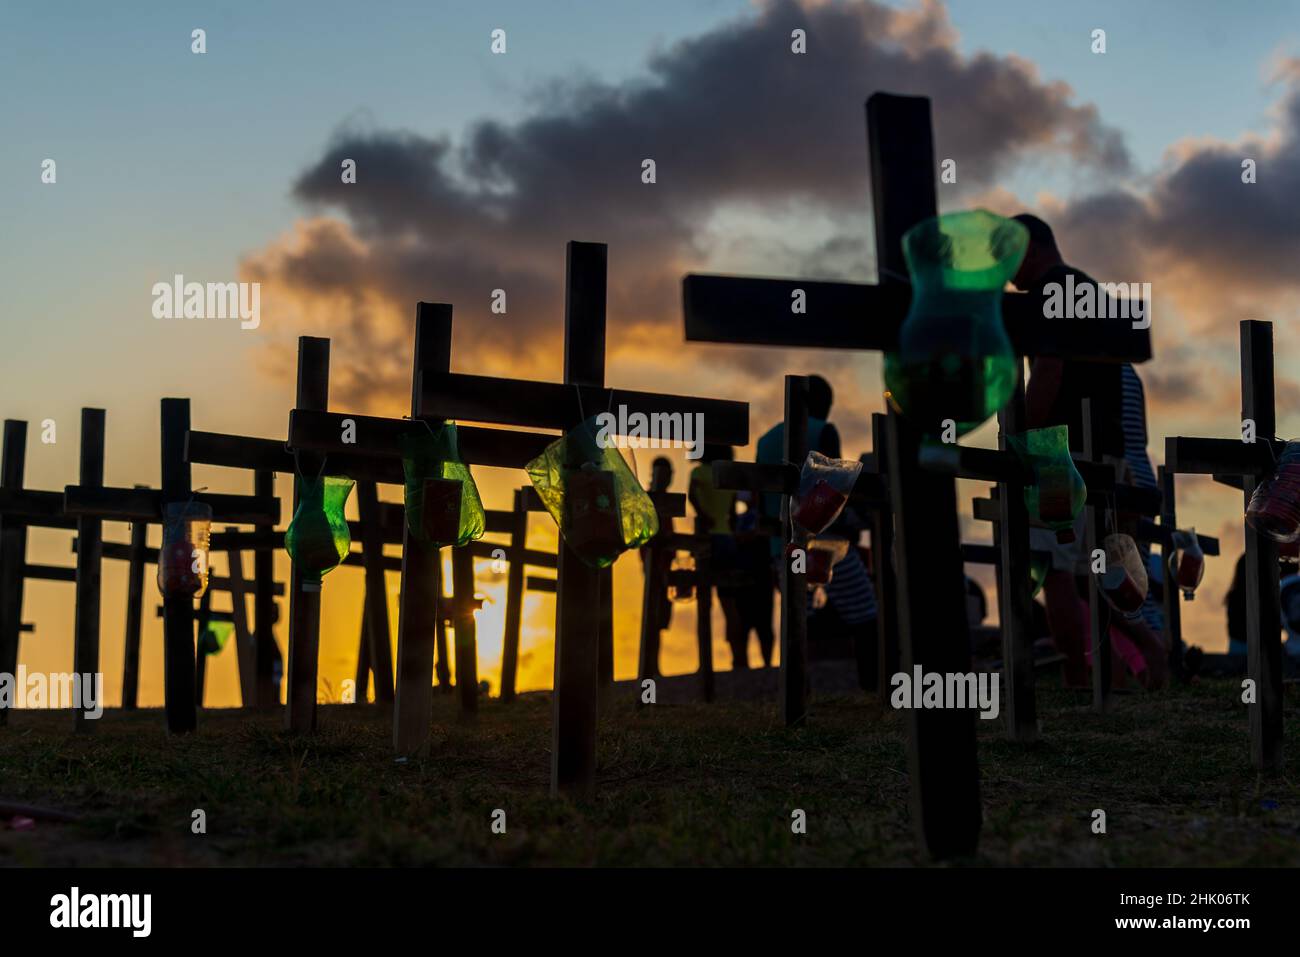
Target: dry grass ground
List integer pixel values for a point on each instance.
(679, 784)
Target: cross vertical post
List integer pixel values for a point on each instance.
(245, 644)
(514, 596)
(417, 622)
(89, 561)
(882, 558)
(13, 551)
(704, 608)
(794, 591)
(934, 634)
(1015, 603)
(379, 654)
(577, 617)
(1171, 600)
(267, 695)
(463, 623)
(304, 605)
(178, 610)
(1263, 610)
(1098, 608)
(134, 614)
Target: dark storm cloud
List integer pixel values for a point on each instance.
(731, 118)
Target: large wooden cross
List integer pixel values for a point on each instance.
(22, 508)
(1253, 461)
(563, 406)
(933, 630)
(91, 501)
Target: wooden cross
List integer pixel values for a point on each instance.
(91, 501)
(933, 633)
(564, 406)
(137, 554)
(267, 457)
(20, 509)
(377, 443)
(1253, 461)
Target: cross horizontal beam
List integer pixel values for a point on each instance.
(35, 507)
(552, 405)
(146, 505)
(844, 315)
(239, 451)
(539, 583)
(1149, 531)
(49, 573)
(1193, 456)
(377, 436)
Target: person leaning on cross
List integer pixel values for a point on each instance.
(1054, 396)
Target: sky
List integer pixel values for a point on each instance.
(475, 168)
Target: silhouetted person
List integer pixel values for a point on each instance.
(716, 509)
(1054, 395)
(661, 477)
(848, 616)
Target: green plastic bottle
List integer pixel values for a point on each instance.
(318, 539)
(954, 360)
(1058, 492)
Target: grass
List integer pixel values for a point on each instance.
(678, 785)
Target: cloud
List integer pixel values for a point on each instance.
(733, 119)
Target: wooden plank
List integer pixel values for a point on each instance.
(264, 610)
(1015, 601)
(884, 578)
(1220, 456)
(835, 311)
(226, 616)
(145, 505)
(31, 504)
(417, 621)
(304, 597)
(178, 622)
(85, 625)
(755, 477)
(377, 437)
(13, 550)
(245, 647)
(933, 633)
(238, 451)
(794, 589)
(48, 573)
(379, 657)
(605, 637)
(462, 577)
(538, 583)
(1098, 608)
(136, 558)
(531, 556)
(704, 613)
(514, 597)
(1171, 597)
(575, 696)
(1263, 605)
(551, 405)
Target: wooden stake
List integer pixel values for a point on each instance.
(304, 604)
(178, 610)
(89, 562)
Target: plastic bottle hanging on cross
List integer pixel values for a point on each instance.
(1058, 493)
(1274, 508)
(954, 360)
(318, 538)
(1187, 562)
(183, 557)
